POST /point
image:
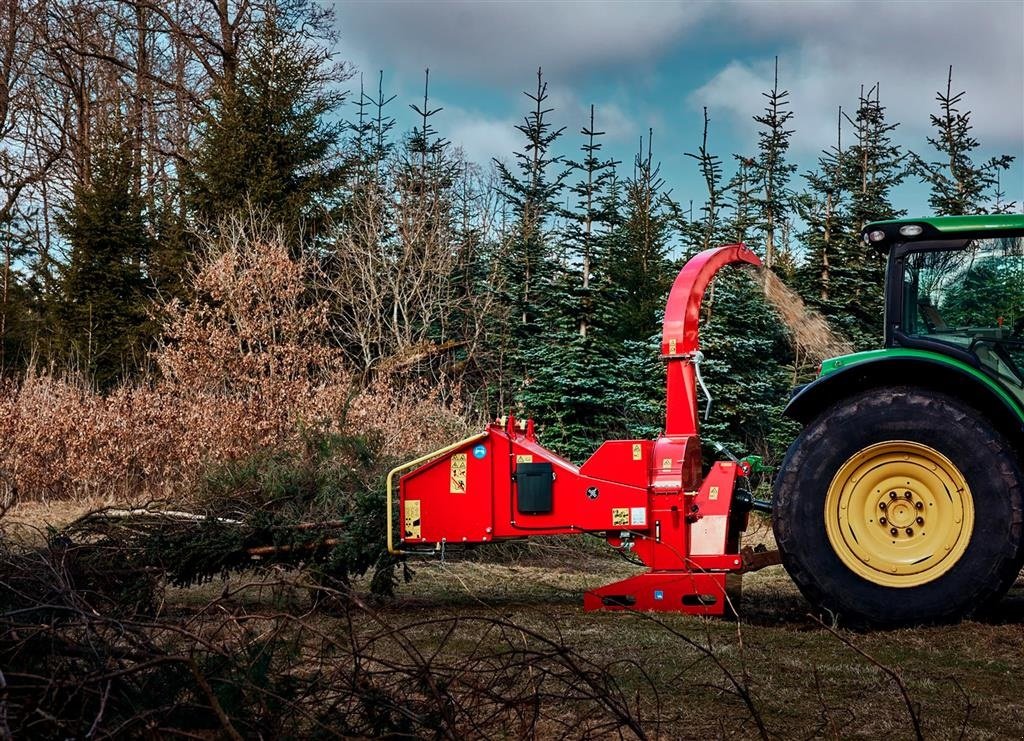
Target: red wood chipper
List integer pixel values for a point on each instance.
(646, 497)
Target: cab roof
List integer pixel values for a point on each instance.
(883, 234)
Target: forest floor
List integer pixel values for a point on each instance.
(686, 676)
(804, 680)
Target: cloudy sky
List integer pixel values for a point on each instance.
(657, 64)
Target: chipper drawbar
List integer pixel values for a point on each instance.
(646, 497)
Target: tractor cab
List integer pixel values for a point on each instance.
(956, 287)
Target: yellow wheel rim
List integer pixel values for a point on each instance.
(899, 514)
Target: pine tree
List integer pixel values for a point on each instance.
(533, 196)
(706, 233)
(103, 312)
(771, 169)
(591, 213)
(822, 207)
(958, 184)
(637, 265)
(269, 143)
(19, 304)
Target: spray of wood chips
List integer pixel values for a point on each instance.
(812, 337)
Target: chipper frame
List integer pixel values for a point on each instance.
(647, 497)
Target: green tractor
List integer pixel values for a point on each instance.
(901, 500)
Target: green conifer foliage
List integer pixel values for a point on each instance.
(21, 287)
(103, 309)
(269, 143)
(747, 354)
(871, 168)
(591, 215)
(708, 231)
(637, 267)
(958, 184)
(771, 170)
(822, 207)
(532, 191)
(744, 344)
(840, 276)
(740, 196)
(569, 388)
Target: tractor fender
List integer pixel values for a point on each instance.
(934, 372)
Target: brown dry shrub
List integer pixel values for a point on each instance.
(244, 368)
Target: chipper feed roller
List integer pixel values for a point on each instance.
(649, 498)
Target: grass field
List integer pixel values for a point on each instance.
(776, 671)
(804, 680)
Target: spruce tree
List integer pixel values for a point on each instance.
(370, 133)
(590, 215)
(958, 184)
(772, 171)
(746, 368)
(872, 167)
(740, 194)
(707, 232)
(637, 265)
(269, 142)
(103, 308)
(532, 191)
(19, 294)
(822, 207)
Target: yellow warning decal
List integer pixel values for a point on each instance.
(637, 452)
(526, 458)
(412, 519)
(666, 464)
(620, 516)
(671, 347)
(713, 494)
(458, 473)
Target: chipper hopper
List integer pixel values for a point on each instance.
(649, 498)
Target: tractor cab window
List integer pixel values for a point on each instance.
(972, 298)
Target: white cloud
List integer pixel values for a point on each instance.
(480, 137)
(504, 41)
(573, 112)
(829, 49)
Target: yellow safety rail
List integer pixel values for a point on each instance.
(422, 459)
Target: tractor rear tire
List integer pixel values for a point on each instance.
(950, 484)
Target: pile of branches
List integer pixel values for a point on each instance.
(126, 555)
(320, 509)
(71, 670)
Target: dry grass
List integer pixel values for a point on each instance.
(804, 680)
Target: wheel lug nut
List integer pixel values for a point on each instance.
(894, 531)
(881, 505)
(892, 495)
(920, 520)
(919, 505)
(910, 531)
(906, 495)
(881, 520)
